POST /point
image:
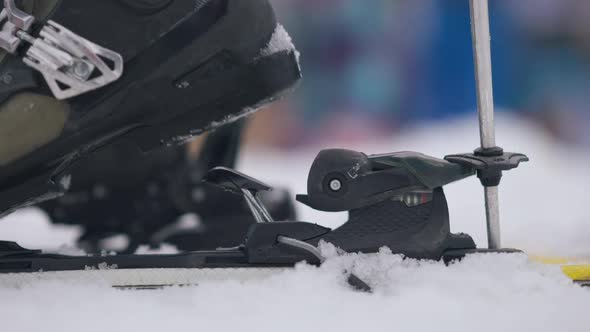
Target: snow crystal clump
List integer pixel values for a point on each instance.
(65, 182)
(280, 41)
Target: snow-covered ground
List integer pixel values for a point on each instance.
(544, 211)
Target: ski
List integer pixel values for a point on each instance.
(148, 278)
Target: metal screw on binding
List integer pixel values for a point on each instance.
(335, 185)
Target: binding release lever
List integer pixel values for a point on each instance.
(70, 64)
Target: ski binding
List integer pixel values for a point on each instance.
(394, 200)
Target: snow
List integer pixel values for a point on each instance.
(279, 41)
(543, 209)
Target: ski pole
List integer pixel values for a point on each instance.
(480, 31)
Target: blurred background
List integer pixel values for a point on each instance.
(371, 69)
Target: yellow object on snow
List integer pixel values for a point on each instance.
(575, 269)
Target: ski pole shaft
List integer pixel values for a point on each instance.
(492, 217)
(480, 31)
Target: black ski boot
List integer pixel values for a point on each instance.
(144, 197)
(147, 73)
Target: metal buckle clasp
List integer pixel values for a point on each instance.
(70, 64)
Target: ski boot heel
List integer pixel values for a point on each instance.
(234, 69)
(239, 89)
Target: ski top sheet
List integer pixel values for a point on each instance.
(139, 278)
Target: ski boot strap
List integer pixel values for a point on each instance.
(70, 64)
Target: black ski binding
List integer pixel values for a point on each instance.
(394, 200)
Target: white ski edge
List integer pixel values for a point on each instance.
(138, 278)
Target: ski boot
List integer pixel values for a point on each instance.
(144, 198)
(145, 73)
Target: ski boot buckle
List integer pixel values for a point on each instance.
(70, 64)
